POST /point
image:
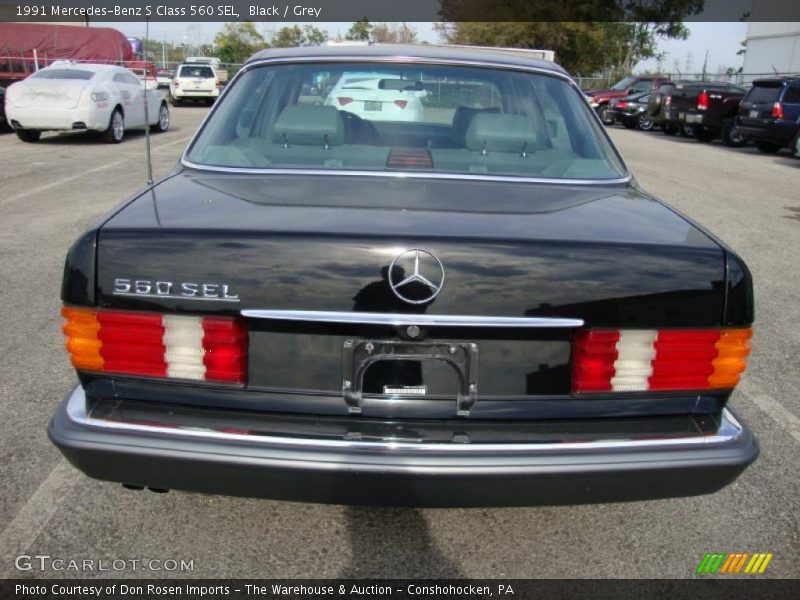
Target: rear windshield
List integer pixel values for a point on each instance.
(394, 117)
(64, 74)
(764, 94)
(201, 71)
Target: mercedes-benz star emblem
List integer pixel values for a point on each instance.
(425, 280)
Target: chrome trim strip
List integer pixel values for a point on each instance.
(627, 178)
(404, 320)
(405, 175)
(729, 430)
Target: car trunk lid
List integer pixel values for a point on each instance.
(46, 93)
(604, 255)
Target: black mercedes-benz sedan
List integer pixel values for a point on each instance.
(405, 275)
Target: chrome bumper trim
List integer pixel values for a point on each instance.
(729, 430)
(404, 320)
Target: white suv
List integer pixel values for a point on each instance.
(194, 82)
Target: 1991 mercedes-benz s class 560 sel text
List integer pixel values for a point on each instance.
(473, 303)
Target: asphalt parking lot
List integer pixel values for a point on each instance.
(52, 190)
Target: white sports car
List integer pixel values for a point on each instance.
(68, 96)
(378, 98)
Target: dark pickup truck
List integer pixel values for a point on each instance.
(703, 109)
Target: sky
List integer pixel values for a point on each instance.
(721, 40)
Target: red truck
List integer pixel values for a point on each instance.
(634, 84)
(26, 47)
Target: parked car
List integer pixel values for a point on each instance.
(194, 82)
(625, 87)
(68, 96)
(700, 109)
(480, 307)
(631, 111)
(3, 122)
(216, 63)
(164, 77)
(377, 97)
(770, 113)
(713, 112)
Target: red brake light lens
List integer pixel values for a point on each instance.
(155, 345)
(639, 360)
(401, 103)
(777, 110)
(344, 100)
(668, 101)
(702, 101)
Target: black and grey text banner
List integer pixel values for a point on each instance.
(392, 10)
(401, 589)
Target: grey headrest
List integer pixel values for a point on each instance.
(309, 126)
(462, 117)
(500, 133)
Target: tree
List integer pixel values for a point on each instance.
(393, 33)
(314, 36)
(236, 42)
(588, 36)
(287, 37)
(359, 31)
(290, 37)
(582, 48)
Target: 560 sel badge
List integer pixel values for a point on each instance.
(219, 292)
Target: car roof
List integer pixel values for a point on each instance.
(499, 56)
(774, 80)
(93, 67)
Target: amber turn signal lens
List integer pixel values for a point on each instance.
(81, 328)
(733, 347)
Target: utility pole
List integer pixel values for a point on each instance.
(705, 64)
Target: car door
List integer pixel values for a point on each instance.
(131, 98)
(138, 94)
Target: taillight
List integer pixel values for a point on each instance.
(702, 101)
(777, 110)
(667, 359)
(155, 345)
(401, 103)
(668, 101)
(176, 83)
(344, 100)
(622, 104)
(218, 83)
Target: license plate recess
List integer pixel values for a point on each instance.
(359, 354)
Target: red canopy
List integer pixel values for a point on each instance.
(58, 42)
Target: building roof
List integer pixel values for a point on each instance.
(500, 56)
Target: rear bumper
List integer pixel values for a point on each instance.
(60, 119)
(195, 94)
(399, 473)
(779, 132)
